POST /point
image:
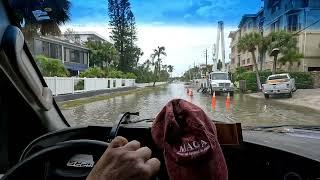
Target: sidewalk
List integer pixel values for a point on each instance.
(309, 98)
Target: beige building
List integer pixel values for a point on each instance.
(296, 16)
(249, 23)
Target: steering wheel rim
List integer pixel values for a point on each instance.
(75, 146)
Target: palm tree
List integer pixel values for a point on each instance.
(156, 61)
(170, 69)
(287, 45)
(250, 42)
(58, 11)
(290, 56)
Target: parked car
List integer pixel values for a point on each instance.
(279, 84)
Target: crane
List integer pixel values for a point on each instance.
(220, 36)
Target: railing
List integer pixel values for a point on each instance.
(72, 85)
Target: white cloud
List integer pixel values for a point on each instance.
(184, 44)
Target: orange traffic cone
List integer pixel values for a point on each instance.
(228, 98)
(190, 92)
(214, 105)
(214, 97)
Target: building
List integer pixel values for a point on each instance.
(294, 16)
(248, 23)
(74, 57)
(82, 37)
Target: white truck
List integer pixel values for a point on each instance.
(279, 84)
(220, 83)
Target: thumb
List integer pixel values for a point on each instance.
(118, 142)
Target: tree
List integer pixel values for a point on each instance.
(70, 35)
(156, 61)
(123, 33)
(102, 54)
(170, 69)
(51, 67)
(250, 42)
(57, 10)
(290, 56)
(287, 44)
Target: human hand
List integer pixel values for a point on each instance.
(125, 160)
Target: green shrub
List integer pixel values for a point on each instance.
(130, 76)
(303, 79)
(79, 86)
(95, 72)
(51, 67)
(115, 74)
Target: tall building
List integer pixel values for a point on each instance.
(248, 23)
(300, 17)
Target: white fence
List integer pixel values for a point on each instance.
(141, 85)
(71, 85)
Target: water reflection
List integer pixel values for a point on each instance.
(248, 111)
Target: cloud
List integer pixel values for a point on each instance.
(185, 45)
(184, 12)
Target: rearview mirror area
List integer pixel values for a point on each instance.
(41, 12)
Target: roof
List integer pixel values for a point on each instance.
(60, 41)
(245, 17)
(90, 33)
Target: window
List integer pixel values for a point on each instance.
(243, 62)
(293, 22)
(55, 51)
(248, 61)
(232, 61)
(45, 48)
(250, 25)
(66, 55)
(275, 26)
(85, 58)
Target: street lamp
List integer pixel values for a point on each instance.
(275, 53)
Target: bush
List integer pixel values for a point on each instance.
(93, 73)
(115, 74)
(303, 79)
(130, 76)
(51, 67)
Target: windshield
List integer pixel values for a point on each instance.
(220, 76)
(278, 77)
(101, 58)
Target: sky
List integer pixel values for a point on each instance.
(185, 27)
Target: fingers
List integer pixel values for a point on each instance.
(153, 165)
(144, 153)
(118, 142)
(132, 146)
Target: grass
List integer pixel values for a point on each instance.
(82, 101)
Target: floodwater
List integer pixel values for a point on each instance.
(249, 111)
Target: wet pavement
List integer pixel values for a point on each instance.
(247, 110)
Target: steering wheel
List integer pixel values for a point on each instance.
(51, 154)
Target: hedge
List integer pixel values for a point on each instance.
(303, 79)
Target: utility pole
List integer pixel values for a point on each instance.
(206, 60)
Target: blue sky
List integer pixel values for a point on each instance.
(183, 12)
(185, 27)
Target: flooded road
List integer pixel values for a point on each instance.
(249, 111)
